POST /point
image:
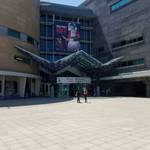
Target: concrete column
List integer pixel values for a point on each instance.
(97, 91)
(37, 87)
(22, 85)
(52, 91)
(148, 88)
(3, 86)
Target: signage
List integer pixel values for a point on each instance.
(70, 80)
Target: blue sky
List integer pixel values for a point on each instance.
(66, 2)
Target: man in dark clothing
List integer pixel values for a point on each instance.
(85, 93)
(78, 96)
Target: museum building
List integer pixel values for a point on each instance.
(52, 50)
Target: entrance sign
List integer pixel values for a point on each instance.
(69, 80)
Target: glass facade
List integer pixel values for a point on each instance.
(48, 35)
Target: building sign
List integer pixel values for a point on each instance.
(70, 80)
(67, 36)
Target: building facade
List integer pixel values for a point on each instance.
(52, 17)
(125, 25)
(56, 23)
(19, 26)
(43, 42)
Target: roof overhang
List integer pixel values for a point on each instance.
(18, 74)
(130, 75)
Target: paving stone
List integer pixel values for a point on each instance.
(103, 124)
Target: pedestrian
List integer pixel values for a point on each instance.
(85, 93)
(78, 95)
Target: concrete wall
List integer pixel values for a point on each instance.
(128, 22)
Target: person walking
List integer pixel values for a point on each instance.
(78, 96)
(85, 93)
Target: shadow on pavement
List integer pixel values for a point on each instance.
(31, 101)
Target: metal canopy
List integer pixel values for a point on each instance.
(80, 60)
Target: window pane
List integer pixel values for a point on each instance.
(13, 33)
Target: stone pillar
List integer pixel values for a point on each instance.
(148, 88)
(22, 85)
(37, 87)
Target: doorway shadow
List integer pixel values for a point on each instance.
(32, 101)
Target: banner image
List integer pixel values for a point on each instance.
(67, 36)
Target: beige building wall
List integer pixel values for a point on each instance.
(22, 16)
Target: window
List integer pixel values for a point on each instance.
(85, 23)
(50, 45)
(101, 49)
(121, 44)
(50, 18)
(85, 35)
(43, 45)
(13, 33)
(49, 31)
(43, 30)
(47, 56)
(135, 62)
(120, 4)
(3, 31)
(30, 40)
(58, 57)
(43, 18)
(85, 47)
(46, 30)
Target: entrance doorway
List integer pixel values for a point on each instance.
(136, 89)
(67, 86)
(69, 90)
(63, 90)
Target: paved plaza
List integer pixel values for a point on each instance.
(102, 124)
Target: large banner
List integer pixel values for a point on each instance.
(67, 36)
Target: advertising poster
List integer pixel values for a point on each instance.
(67, 36)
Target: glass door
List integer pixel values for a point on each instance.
(63, 90)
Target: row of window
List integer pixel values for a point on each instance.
(135, 62)
(120, 4)
(49, 18)
(52, 57)
(48, 46)
(123, 43)
(4, 31)
(47, 31)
